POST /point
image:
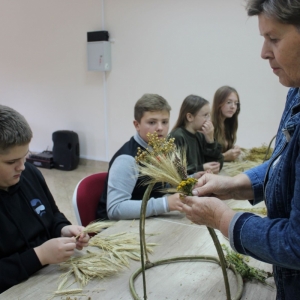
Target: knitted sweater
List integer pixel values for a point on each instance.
(198, 151)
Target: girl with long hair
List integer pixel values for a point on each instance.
(194, 132)
(225, 111)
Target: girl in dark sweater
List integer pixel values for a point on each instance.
(194, 131)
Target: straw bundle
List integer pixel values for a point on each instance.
(97, 226)
(248, 159)
(236, 167)
(163, 162)
(160, 169)
(123, 246)
(89, 266)
(258, 153)
(113, 255)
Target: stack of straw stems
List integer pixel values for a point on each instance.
(111, 255)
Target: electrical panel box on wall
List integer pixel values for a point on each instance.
(99, 56)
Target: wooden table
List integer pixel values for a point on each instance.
(175, 236)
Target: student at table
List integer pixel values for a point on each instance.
(123, 193)
(34, 233)
(194, 132)
(225, 110)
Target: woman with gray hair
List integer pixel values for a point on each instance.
(274, 239)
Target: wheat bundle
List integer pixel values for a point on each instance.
(124, 246)
(236, 167)
(165, 171)
(248, 159)
(162, 161)
(258, 153)
(114, 252)
(97, 226)
(89, 266)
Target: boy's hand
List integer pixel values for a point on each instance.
(76, 230)
(174, 202)
(56, 250)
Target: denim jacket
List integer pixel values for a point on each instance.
(275, 239)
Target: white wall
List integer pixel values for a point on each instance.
(171, 47)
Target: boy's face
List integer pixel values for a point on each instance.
(153, 121)
(12, 165)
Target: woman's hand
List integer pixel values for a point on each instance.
(76, 230)
(211, 212)
(224, 187)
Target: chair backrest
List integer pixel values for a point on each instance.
(86, 197)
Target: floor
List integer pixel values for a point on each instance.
(63, 183)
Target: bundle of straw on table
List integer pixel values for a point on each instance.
(89, 266)
(248, 159)
(237, 167)
(123, 246)
(111, 255)
(261, 153)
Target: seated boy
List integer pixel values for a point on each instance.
(33, 231)
(122, 196)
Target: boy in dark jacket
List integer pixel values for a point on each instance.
(33, 231)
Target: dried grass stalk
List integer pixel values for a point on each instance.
(64, 280)
(68, 292)
(97, 226)
(256, 210)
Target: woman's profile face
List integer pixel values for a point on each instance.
(230, 105)
(282, 48)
